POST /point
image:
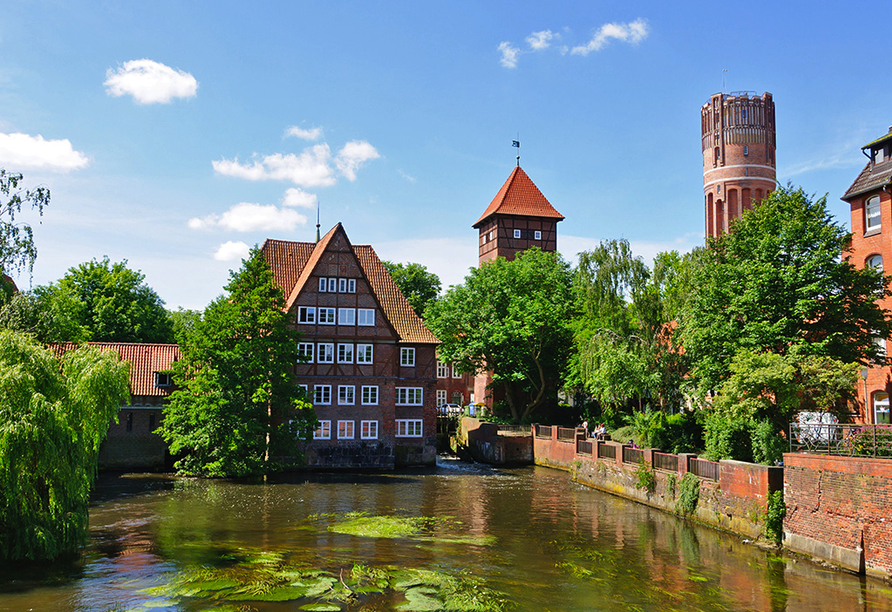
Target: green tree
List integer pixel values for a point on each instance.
(17, 250)
(238, 410)
(53, 418)
(50, 319)
(420, 287)
(780, 281)
(184, 323)
(111, 301)
(511, 318)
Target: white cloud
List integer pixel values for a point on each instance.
(312, 168)
(632, 33)
(406, 176)
(299, 198)
(232, 251)
(248, 217)
(353, 155)
(310, 134)
(540, 40)
(150, 82)
(509, 55)
(26, 151)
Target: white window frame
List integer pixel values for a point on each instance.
(880, 400)
(342, 285)
(455, 372)
(872, 214)
(306, 315)
(346, 395)
(538, 234)
(332, 285)
(345, 430)
(409, 396)
(874, 261)
(368, 430)
(325, 352)
(323, 432)
(327, 316)
(407, 356)
(365, 353)
(346, 316)
(517, 233)
(369, 395)
(365, 317)
(322, 395)
(323, 285)
(351, 285)
(881, 346)
(305, 349)
(442, 369)
(345, 353)
(441, 397)
(409, 428)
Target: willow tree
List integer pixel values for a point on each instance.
(53, 416)
(17, 250)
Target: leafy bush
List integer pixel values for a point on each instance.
(767, 443)
(688, 494)
(624, 434)
(671, 484)
(774, 516)
(680, 433)
(727, 437)
(645, 479)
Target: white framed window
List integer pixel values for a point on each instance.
(332, 285)
(364, 353)
(366, 316)
(346, 395)
(162, 379)
(881, 407)
(407, 356)
(408, 396)
(875, 261)
(455, 373)
(351, 285)
(408, 428)
(442, 369)
(342, 285)
(323, 285)
(345, 430)
(326, 316)
(872, 213)
(441, 397)
(345, 353)
(368, 430)
(346, 316)
(323, 432)
(537, 235)
(322, 394)
(880, 343)
(370, 395)
(306, 314)
(325, 352)
(305, 352)
(517, 233)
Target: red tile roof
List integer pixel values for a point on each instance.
(519, 196)
(145, 360)
(292, 264)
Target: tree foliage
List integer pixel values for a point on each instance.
(53, 417)
(511, 318)
(17, 250)
(420, 286)
(238, 410)
(107, 302)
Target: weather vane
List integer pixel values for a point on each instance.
(516, 143)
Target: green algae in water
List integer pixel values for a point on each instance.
(421, 528)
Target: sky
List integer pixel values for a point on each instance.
(176, 135)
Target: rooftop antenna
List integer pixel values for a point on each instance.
(318, 237)
(724, 70)
(516, 143)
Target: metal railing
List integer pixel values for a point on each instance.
(842, 440)
(606, 451)
(584, 447)
(704, 469)
(633, 455)
(666, 461)
(543, 431)
(565, 434)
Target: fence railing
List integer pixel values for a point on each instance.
(704, 469)
(665, 461)
(543, 431)
(842, 440)
(566, 434)
(606, 451)
(584, 447)
(633, 455)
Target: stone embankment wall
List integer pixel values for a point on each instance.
(495, 444)
(734, 497)
(840, 509)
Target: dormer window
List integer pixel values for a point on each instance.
(879, 156)
(872, 214)
(162, 379)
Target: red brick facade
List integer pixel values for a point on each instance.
(739, 166)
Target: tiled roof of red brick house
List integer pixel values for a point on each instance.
(874, 175)
(145, 360)
(292, 264)
(520, 196)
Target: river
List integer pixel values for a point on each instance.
(472, 537)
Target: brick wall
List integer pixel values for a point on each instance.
(483, 441)
(840, 509)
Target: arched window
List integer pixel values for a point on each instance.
(457, 397)
(881, 407)
(872, 214)
(874, 261)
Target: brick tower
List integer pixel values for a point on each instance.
(738, 155)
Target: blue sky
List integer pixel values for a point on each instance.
(173, 134)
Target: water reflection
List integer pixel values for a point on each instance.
(558, 545)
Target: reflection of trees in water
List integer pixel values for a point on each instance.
(689, 544)
(775, 574)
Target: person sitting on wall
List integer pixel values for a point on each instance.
(601, 431)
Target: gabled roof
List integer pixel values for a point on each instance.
(519, 196)
(145, 360)
(292, 264)
(873, 176)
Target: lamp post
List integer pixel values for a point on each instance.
(864, 372)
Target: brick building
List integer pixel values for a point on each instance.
(370, 361)
(871, 209)
(738, 139)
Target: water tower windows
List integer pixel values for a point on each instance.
(715, 156)
(746, 150)
(872, 214)
(874, 261)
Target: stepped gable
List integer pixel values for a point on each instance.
(292, 264)
(145, 360)
(519, 196)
